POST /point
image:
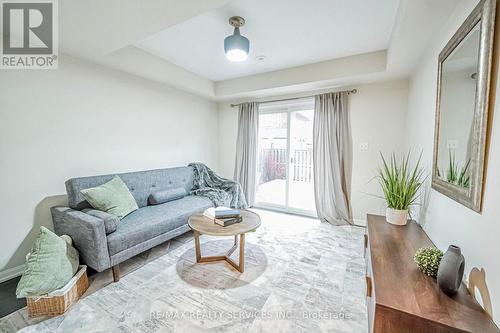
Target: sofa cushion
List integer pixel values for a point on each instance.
(112, 197)
(110, 221)
(151, 221)
(160, 197)
(141, 184)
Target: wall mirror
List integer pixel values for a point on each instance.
(463, 89)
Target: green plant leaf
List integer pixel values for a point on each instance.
(400, 182)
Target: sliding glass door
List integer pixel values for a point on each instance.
(301, 189)
(272, 159)
(284, 171)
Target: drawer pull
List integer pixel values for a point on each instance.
(368, 286)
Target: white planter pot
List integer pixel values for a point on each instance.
(396, 216)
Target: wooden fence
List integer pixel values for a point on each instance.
(273, 164)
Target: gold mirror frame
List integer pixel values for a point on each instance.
(471, 197)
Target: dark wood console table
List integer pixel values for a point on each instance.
(403, 299)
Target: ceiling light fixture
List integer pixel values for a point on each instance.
(236, 46)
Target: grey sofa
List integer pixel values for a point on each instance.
(150, 225)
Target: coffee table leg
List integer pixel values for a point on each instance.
(197, 245)
(242, 253)
(235, 246)
(240, 266)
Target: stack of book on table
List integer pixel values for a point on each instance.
(223, 216)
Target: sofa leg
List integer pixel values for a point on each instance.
(116, 273)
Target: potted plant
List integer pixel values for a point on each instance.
(428, 260)
(400, 184)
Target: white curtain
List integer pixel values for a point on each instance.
(332, 158)
(245, 169)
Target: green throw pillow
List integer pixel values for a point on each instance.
(50, 266)
(112, 197)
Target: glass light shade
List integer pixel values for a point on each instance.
(236, 55)
(236, 46)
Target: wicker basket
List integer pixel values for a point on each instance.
(54, 305)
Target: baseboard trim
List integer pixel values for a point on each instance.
(359, 222)
(11, 273)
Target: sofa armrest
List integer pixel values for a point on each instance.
(88, 234)
(110, 221)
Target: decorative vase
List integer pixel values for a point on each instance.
(396, 216)
(451, 270)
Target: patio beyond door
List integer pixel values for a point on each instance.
(284, 170)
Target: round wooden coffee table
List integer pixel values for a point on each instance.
(201, 224)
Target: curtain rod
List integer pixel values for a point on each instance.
(353, 91)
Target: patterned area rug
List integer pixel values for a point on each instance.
(301, 275)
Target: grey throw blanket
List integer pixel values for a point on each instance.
(221, 191)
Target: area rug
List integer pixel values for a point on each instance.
(301, 275)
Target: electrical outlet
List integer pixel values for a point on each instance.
(363, 146)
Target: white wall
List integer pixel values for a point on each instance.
(378, 116)
(84, 119)
(446, 221)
